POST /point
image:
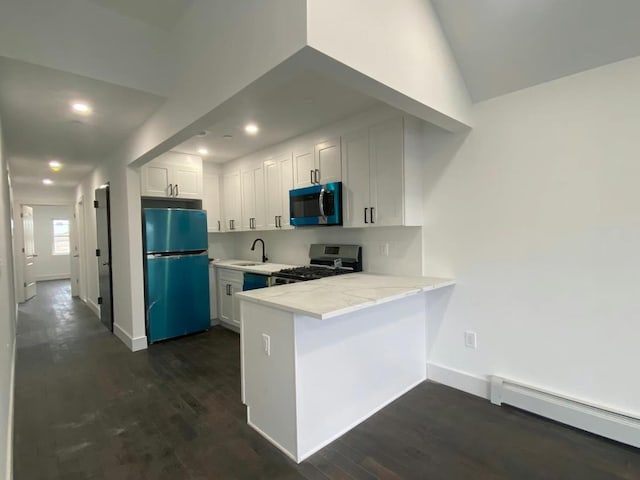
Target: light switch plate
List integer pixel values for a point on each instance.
(266, 344)
(470, 340)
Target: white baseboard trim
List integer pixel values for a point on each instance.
(273, 442)
(9, 458)
(619, 426)
(459, 380)
(134, 344)
(45, 277)
(93, 306)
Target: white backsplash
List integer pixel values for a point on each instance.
(292, 246)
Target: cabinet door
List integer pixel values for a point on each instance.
(272, 193)
(187, 180)
(328, 161)
(387, 172)
(225, 301)
(232, 198)
(356, 201)
(235, 302)
(213, 294)
(286, 184)
(211, 202)
(259, 219)
(155, 180)
(303, 165)
(248, 199)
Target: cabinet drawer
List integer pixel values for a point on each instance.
(230, 276)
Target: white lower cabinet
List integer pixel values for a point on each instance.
(229, 282)
(213, 295)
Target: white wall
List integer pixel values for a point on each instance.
(47, 265)
(292, 246)
(7, 320)
(537, 216)
(400, 45)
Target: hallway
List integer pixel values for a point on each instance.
(85, 407)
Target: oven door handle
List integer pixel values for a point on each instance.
(321, 203)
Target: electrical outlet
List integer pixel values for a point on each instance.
(384, 249)
(266, 344)
(470, 340)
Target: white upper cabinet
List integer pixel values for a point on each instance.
(252, 179)
(231, 200)
(303, 168)
(173, 175)
(211, 202)
(155, 180)
(278, 180)
(320, 164)
(382, 175)
(356, 179)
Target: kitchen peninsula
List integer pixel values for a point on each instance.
(320, 357)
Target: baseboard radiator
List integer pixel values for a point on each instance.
(606, 423)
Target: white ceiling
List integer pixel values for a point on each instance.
(506, 45)
(38, 125)
(304, 103)
(158, 13)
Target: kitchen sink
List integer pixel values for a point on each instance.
(246, 264)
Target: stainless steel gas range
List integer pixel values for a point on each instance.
(325, 260)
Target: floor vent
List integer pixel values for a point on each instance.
(606, 423)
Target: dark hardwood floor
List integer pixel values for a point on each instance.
(85, 407)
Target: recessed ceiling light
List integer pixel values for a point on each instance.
(227, 137)
(55, 165)
(251, 128)
(203, 151)
(203, 133)
(47, 181)
(81, 107)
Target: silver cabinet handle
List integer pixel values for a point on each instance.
(365, 215)
(371, 215)
(311, 176)
(218, 225)
(321, 203)
(176, 190)
(171, 190)
(230, 228)
(105, 264)
(317, 176)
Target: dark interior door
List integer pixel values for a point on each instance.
(103, 226)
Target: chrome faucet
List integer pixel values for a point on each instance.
(253, 247)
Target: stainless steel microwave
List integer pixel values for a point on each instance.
(316, 205)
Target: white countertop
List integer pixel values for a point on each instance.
(263, 268)
(334, 296)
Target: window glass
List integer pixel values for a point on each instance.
(61, 241)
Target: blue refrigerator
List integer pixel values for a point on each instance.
(176, 272)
